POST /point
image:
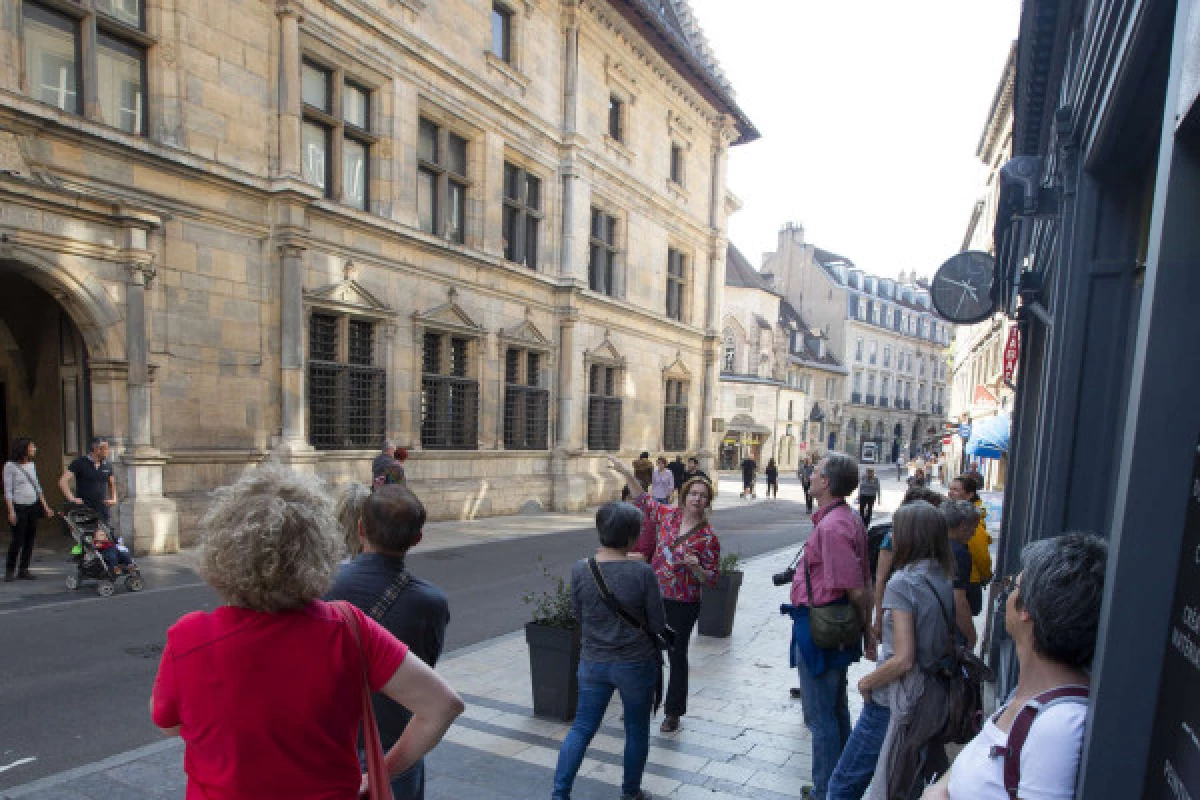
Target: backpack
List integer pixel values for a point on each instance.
(1011, 751)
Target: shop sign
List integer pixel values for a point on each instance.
(1011, 350)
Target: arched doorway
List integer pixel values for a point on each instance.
(44, 383)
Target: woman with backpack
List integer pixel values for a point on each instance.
(1052, 613)
(917, 604)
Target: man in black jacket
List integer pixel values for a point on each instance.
(678, 470)
(415, 611)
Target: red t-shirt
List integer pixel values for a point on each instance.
(269, 704)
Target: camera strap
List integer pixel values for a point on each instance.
(626, 616)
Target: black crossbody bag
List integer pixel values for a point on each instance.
(661, 641)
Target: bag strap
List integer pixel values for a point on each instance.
(1011, 750)
(610, 600)
(378, 780)
(678, 540)
(33, 484)
(946, 617)
(390, 595)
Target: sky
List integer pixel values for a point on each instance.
(870, 113)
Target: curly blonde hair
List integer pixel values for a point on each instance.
(270, 542)
(348, 506)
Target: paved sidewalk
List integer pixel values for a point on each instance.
(743, 736)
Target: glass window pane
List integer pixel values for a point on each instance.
(457, 161)
(511, 219)
(314, 86)
(610, 233)
(614, 118)
(355, 102)
(354, 173)
(119, 83)
(501, 19)
(512, 177)
(51, 57)
(533, 192)
(456, 207)
(427, 144)
(127, 11)
(597, 224)
(531, 242)
(426, 200)
(314, 154)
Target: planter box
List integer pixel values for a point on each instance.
(553, 668)
(719, 605)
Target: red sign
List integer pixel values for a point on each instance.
(947, 440)
(1011, 350)
(984, 398)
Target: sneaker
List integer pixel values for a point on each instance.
(670, 724)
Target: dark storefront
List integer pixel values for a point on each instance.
(1098, 235)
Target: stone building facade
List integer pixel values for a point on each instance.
(978, 388)
(884, 331)
(772, 363)
(236, 231)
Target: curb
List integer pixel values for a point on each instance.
(120, 759)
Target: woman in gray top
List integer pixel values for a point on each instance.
(918, 599)
(25, 504)
(615, 655)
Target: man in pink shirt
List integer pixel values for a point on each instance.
(836, 559)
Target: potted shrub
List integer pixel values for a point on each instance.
(553, 638)
(718, 604)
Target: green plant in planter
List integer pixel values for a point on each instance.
(730, 563)
(553, 607)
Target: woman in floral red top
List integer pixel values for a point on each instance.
(685, 555)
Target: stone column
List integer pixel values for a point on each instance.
(147, 520)
(293, 429)
(392, 413)
(289, 89)
(570, 489)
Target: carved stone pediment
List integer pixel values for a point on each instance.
(450, 316)
(349, 296)
(677, 370)
(605, 353)
(526, 334)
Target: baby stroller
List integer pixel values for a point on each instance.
(82, 524)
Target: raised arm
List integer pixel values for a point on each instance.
(635, 487)
(64, 483)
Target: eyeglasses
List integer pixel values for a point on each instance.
(1008, 584)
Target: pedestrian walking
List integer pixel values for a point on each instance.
(678, 471)
(693, 471)
(274, 671)
(1052, 613)
(917, 479)
(381, 462)
(916, 604)
(805, 475)
(26, 504)
(749, 473)
(685, 554)
(95, 485)
(868, 493)
(413, 610)
(834, 570)
(391, 472)
(662, 482)
(643, 469)
(964, 487)
(772, 473)
(615, 656)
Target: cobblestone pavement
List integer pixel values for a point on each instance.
(743, 735)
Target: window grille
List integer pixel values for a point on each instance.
(604, 409)
(449, 399)
(675, 416)
(347, 398)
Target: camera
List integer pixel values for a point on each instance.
(785, 577)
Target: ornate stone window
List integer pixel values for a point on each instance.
(526, 355)
(677, 284)
(451, 347)
(89, 59)
(347, 379)
(604, 269)
(676, 382)
(442, 180)
(605, 375)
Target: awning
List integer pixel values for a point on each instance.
(735, 427)
(990, 437)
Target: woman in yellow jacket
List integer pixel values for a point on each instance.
(964, 487)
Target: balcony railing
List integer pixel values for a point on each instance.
(870, 399)
(856, 397)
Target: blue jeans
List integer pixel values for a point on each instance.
(827, 715)
(408, 785)
(856, 767)
(635, 681)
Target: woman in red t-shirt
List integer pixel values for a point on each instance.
(685, 555)
(266, 691)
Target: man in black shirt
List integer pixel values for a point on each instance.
(95, 486)
(678, 470)
(693, 471)
(415, 611)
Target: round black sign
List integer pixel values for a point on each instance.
(962, 288)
